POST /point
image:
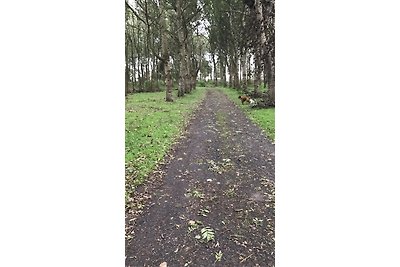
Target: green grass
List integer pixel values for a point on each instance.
(151, 127)
(265, 118)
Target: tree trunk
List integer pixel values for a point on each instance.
(214, 70)
(262, 41)
(147, 68)
(257, 72)
(141, 75)
(260, 54)
(165, 53)
(271, 79)
(250, 75)
(235, 70)
(189, 80)
(230, 72)
(126, 79)
(223, 71)
(271, 86)
(244, 74)
(168, 81)
(200, 65)
(126, 68)
(134, 75)
(182, 70)
(183, 83)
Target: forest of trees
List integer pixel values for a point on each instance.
(175, 43)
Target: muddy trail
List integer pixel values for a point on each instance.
(213, 203)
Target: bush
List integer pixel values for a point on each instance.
(201, 83)
(152, 86)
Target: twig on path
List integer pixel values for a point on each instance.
(237, 236)
(246, 258)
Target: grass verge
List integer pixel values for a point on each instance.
(265, 118)
(151, 127)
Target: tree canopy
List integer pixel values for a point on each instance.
(175, 43)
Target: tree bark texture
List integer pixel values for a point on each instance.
(165, 53)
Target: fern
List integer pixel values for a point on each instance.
(207, 234)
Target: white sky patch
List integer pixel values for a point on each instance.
(202, 27)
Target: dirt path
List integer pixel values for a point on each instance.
(220, 176)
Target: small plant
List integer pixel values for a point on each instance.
(214, 167)
(219, 167)
(196, 193)
(218, 256)
(193, 225)
(226, 163)
(230, 192)
(203, 212)
(201, 83)
(207, 234)
(257, 222)
(226, 160)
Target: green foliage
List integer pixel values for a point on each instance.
(195, 193)
(257, 222)
(151, 127)
(203, 212)
(193, 225)
(201, 83)
(219, 167)
(218, 256)
(265, 118)
(230, 192)
(206, 234)
(152, 86)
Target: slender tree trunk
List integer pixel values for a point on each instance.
(183, 55)
(126, 67)
(155, 75)
(271, 86)
(134, 61)
(230, 71)
(126, 53)
(165, 52)
(141, 76)
(126, 72)
(223, 71)
(250, 75)
(133, 68)
(147, 68)
(235, 70)
(182, 68)
(168, 81)
(262, 42)
(244, 74)
(257, 72)
(189, 67)
(271, 78)
(134, 75)
(200, 64)
(214, 70)
(260, 56)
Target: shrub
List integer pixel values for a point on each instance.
(201, 83)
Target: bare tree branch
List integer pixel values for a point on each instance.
(134, 12)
